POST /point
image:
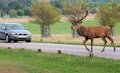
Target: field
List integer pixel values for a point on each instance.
(58, 28)
(65, 27)
(26, 61)
(61, 32)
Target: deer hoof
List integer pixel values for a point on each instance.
(102, 51)
(114, 50)
(91, 55)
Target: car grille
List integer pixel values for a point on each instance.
(22, 34)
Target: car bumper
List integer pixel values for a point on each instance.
(20, 38)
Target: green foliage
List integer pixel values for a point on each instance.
(45, 13)
(12, 5)
(12, 13)
(20, 12)
(2, 7)
(69, 7)
(27, 11)
(18, 5)
(1, 13)
(109, 13)
(74, 11)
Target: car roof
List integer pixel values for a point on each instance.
(10, 23)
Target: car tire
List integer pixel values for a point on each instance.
(15, 41)
(28, 41)
(7, 39)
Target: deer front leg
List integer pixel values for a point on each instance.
(91, 51)
(105, 42)
(84, 42)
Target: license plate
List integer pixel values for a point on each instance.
(22, 36)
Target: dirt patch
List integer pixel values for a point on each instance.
(16, 20)
(68, 38)
(89, 17)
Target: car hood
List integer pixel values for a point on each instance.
(20, 31)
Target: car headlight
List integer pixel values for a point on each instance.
(29, 33)
(13, 33)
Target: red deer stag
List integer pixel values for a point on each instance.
(102, 32)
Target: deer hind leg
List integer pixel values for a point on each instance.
(112, 42)
(84, 42)
(105, 42)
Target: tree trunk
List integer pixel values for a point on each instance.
(112, 29)
(74, 34)
(45, 31)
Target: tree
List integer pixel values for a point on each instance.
(2, 7)
(109, 15)
(74, 11)
(1, 13)
(27, 11)
(12, 4)
(20, 12)
(12, 13)
(45, 15)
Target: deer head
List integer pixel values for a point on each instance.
(78, 20)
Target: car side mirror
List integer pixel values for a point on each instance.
(3, 28)
(26, 28)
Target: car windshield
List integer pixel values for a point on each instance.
(15, 27)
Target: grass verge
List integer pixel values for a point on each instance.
(26, 61)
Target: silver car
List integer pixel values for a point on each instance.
(15, 32)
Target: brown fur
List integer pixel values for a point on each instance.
(94, 32)
(102, 32)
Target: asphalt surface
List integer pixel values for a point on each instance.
(66, 49)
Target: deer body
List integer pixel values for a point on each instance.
(92, 32)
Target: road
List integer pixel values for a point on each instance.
(67, 49)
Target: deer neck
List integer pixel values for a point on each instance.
(81, 30)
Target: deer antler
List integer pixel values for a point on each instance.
(84, 16)
(77, 15)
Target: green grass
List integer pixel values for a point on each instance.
(26, 61)
(64, 27)
(58, 28)
(117, 28)
(32, 27)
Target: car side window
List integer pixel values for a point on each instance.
(3, 27)
(0, 26)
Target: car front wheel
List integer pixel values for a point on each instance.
(28, 41)
(7, 39)
(15, 41)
